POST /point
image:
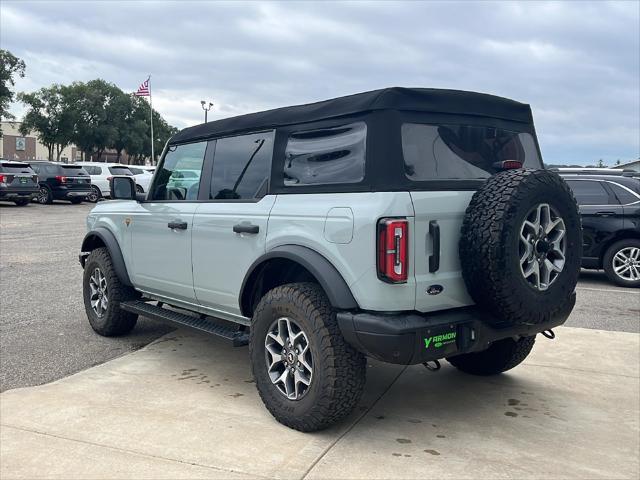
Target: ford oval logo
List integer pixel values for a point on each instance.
(435, 289)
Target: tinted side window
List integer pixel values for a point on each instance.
(625, 196)
(120, 171)
(462, 151)
(588, 192)
(178, 177)
(241, 166)
(93, 170)
(326, 156)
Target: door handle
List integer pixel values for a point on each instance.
(434, 259)
(605, 214)
(177, 225)
(246, 228)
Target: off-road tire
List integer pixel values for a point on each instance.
(489, 246)
(607, 262)
(45, 197)
(114, 321)
(22, 202)
(76, 201)
(339, 370)
(501, 356)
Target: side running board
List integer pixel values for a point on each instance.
(238, 337)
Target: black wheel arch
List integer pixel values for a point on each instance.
(102, 237)
(312, 266)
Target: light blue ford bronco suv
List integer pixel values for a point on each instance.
(407, 225)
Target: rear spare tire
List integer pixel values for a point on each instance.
(521, 247)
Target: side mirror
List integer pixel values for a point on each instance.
(122, 188)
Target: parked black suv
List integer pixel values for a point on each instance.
(610, 209)
(60, 181)
(18, 182)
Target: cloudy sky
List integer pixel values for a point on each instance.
(577, 64)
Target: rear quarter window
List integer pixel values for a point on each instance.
(462, 151)
(120, 171)
(73, 170)
(326, 156)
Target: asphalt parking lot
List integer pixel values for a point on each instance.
(44, 334)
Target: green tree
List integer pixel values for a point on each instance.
(50, 116)
(95, 107)
(601, 164)
(10, 67)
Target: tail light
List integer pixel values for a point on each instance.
(393, 250)
(61, 179)
(109, 179)
(508, 165)
(3, 179)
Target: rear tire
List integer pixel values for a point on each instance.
(45, 197)
(337, 377)
(95, 194)
(625, 252)
(101, 284)
(501, 356)
(22, 202)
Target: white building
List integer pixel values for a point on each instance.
(632, 165)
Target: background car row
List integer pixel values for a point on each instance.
(20, 182)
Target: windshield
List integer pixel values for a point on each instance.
(463, 151)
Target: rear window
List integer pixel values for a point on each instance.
(15, 168)
(93, 170)
(326, 156)
(73, 170)
(462, 151)
(120, 171)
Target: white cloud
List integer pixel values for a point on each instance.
(576, 63)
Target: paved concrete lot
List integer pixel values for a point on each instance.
(185, 407)
(44, 334)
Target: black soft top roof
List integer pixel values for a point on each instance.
(429, 100)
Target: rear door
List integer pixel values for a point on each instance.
(446, 162)
(162, 227)
(230, 228)
(601, 213)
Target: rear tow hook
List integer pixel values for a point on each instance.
(432, 365)
(550, 334)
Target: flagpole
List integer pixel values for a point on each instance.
(153, 157)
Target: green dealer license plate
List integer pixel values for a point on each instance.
(440, 341)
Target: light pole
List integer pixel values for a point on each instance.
(206, 108)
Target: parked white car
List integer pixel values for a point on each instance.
(100, 174)
(143, 177)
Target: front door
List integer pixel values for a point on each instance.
(230, 229)
(163, 224)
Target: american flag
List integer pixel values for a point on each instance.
(143, 90)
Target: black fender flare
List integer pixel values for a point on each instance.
(111, 243)
(331, 281)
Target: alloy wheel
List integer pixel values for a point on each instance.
(542, 246)
(93, 196)
(98, 294)
(626, 263)
(43, 195)
(288, 358)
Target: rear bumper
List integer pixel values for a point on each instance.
(411, 338)
(16, 193)
(62, 193)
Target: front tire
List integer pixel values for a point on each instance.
(294, 327)
(621, 263)
(501, 356)
(103, 292)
